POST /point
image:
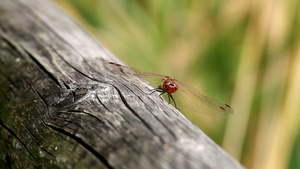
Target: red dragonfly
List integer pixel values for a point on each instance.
(187, 96)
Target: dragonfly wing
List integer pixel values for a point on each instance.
(154, 79)
(196, 101)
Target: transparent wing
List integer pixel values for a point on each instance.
(154, 79)
(195, 101)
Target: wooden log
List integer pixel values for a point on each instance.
(62, 107)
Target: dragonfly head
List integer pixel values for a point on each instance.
(169, 85)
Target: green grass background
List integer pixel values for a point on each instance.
(245, 53)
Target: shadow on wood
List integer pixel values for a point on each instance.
(61, 107)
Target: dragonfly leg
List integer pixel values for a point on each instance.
(156, 90)
(161, 96)
(170, 96)
(152, 91)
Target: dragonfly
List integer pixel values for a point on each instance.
(187, 96)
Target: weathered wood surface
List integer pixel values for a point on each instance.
(61, 107)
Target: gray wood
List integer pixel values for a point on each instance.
(61, 106)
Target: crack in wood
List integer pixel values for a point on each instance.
(168, 129)
(15, 135)
(136, 114)
(84, 144)
(98, 99)
(11, 44)
(49, 74)
(36, 141)
(73, 67)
